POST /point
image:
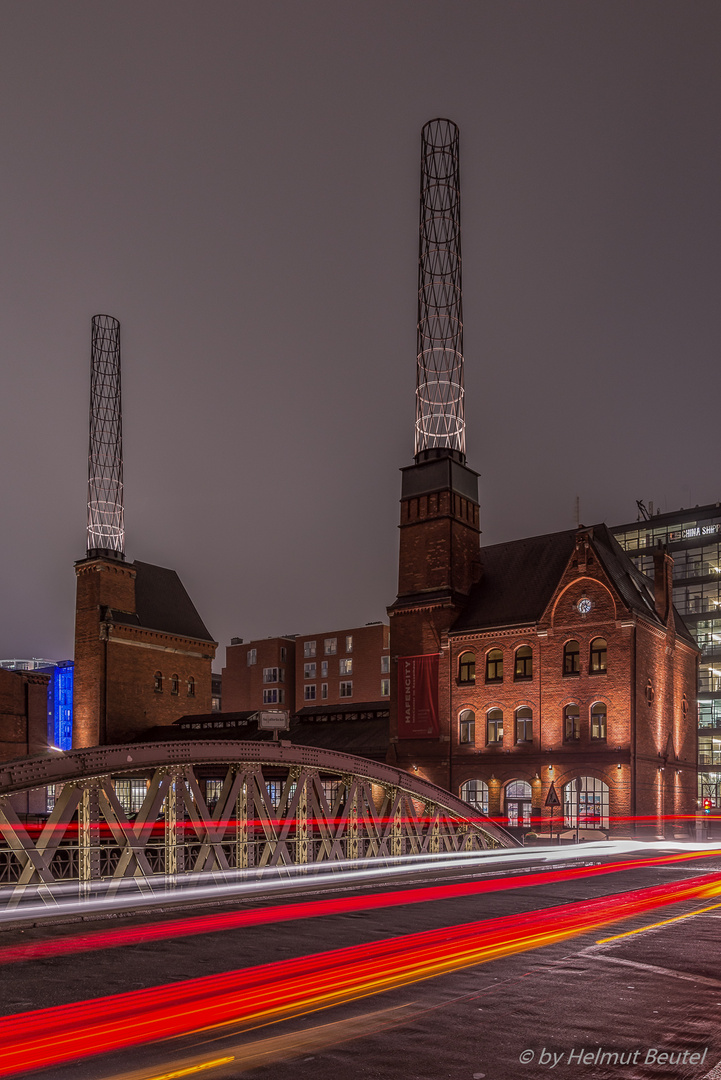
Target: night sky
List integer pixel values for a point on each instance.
(237, 182)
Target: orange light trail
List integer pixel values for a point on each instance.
(268, 992)
(234, 920)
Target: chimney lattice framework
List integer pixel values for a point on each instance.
(440, 421)
(106, 525)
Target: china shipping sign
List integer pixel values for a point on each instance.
(418, 697)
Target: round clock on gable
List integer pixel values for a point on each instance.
(584, 605)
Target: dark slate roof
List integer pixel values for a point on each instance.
(162, 603)
(519, 579)
(345, 708)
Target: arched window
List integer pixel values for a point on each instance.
(571, 658)
(589, 806)
(598, 721)
(467, 726)
(174, 684)
(598, 655)
(494, 666)
(571, 724)
(475, 792)
(191, 686)
(494, 727)
(523, 667)
(467, 668)
(158, 682)
(524, 725)
(518, 804)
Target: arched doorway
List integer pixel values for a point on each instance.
(518, 804)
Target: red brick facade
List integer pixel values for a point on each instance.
(623, 719)
(128, 677)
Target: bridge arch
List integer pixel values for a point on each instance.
(273, 804)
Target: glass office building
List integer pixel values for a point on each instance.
(693, 539)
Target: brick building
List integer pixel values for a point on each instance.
(333, 671)
(548, 660)
(24, 726)
(142, 653)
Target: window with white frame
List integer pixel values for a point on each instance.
(385, 665)
(349, 643)
(330, 646)
(308, 671)
(309, 692)
(252, 657)
(385, 688)
(324, 669)
(273, 696)
(475, 792)
(345, 667)
(273, 674)
(346, 689)
(324, 690)
(308, 648)
(587, 807)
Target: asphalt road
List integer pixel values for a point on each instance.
(507, 1019)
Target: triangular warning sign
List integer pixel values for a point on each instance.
(552, 798)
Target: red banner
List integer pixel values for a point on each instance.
(418, 697)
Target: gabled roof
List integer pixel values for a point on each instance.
(161, 603)
(520, 577)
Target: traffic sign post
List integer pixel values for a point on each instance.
(553, 801)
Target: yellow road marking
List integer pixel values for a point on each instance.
(653, 926)
(193, 1069)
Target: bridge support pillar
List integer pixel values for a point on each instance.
(89, 835)
(243, 849)
(174, 827)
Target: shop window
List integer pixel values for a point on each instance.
(494, 666)
(587, 807)
(467, 668)
(598, 656)
(475, 792)
(571, 658)
(523, 667)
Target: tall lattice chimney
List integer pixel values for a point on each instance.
(106, 526)
(440, 422)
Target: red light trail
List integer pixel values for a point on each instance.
(45, 1037)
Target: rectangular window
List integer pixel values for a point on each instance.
(385, 665)
(50, 797)
(467, 727)
(330, 646)
(349, 643)
(308, 671)
(213, 789)
(273, 674)
(346, 667)
(252, 657)
(324, 669)
(494, 732)
(346, 689)
(308, 648)
(273, 697)
(131, 794)
(283, 653)
(275, 791)
(309, 692)
(385, 688)
(324, 690)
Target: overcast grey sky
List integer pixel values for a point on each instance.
(238, 184)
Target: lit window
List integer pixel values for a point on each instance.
(475, 792)
(50, 796)
(467, 668)
(524, 725)
(346, 689)
(571, 724)
(308, 671)
(174, 684)
(385, 688)
(324, 690)
(309, 692)
(346, 667)
(571, 658)
(587, 807)
(330, 646)
(385, 665)
(598, 721)
(324, 669)
(467, 727)
(331, 790)
(308, 648)
(523, 668)
(252, 657)
(213, 789)
(598, 656)
(494, 666)
(275, 791)
(191, 686)
(494, 728)
(130, 794)
(158, 682)
(349, 643)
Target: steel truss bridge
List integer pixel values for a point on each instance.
(273, 805)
